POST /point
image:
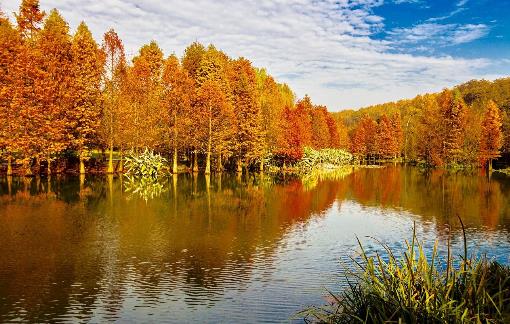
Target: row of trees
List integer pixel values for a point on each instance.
(65, 94)
(437, 129)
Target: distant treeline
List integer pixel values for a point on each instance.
(468, 125)
(64, 95)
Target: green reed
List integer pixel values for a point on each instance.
(414, 288)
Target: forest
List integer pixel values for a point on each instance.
(63, 95)
(66, 97)
(468, 125)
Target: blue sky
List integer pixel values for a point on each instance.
(343, 53)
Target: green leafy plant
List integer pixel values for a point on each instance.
(414, 288)
(144, 165)
(324, 159)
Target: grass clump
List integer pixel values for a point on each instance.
(414, 288)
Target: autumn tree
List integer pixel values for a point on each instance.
(304, 109)
(363, 141)
(217, 112)
(113, 78)
(430, 132)
(144, 90)
(334, 134)
(249, 143)
(385, 141)
(9, 117)
(54, 44)
(272, 104)
(289, 142)
(192, 58)
(85, 112)
(29, 18)
(454, 114)
(343, 134)
(320, 129)
(178, 91)
(29, 88)
(492, 136)
(397, 132)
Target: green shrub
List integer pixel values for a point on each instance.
(412, 288)
(144, 165)
(325, 158)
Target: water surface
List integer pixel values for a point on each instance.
(221, 248)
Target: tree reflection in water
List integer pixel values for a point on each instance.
(93, 249)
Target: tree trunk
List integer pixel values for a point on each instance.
(9, 166)
(208, 160)
(261, 166)
(219, 167)
(208, 163)
(174, 166)
(28, 169)
(239, 166)
(490, 165)
(82, 164)
(195, 161)
(9, 185)
(110, 160)
(48, 160)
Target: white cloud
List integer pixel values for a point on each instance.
(323, 48)
(439, 34)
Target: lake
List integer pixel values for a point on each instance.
(222, 248)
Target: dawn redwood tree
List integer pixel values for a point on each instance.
(249, 141)
(454, 113)
(273, 100)
(320, 130)
(398, 133)
(178, 93)
(29, 89)
(29, 18)
(9, 116)
(56, 63)
(289, 142)
(430, 138)
(304, 109)
(216, 110)
(213, 68)
(192, 59)
(334, 135)
(369, 131)
(492, 135)
(86, 106)
(385, 141)
(144, 91)
(113, 78)
(343, 134)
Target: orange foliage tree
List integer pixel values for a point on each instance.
(492, 136)
(249, 140)
(84, 121)
(9, 116)
(113, 79)
(178, 93)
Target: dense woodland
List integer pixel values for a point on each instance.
(66, 96)
(467, 125)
